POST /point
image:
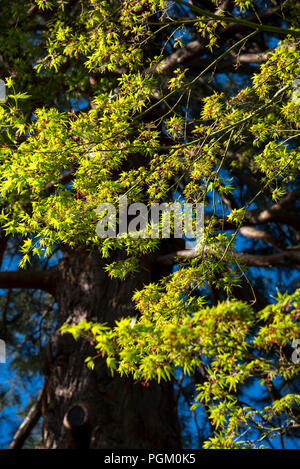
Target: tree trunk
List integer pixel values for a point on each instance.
(86, 408)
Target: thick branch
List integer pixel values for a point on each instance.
(270, 260)
(63, 179)
(256, 217)
(252, 260)
(183, 55)
(255, 233)
(194, 49)
(29, 423)
(250, 231)
(276, 212)
(42, 280)
(287, 200)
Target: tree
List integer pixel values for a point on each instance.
(141, 99)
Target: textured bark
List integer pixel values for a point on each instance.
(120, 413)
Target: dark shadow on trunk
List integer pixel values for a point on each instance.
(86, 408)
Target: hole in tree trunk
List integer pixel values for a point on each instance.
(76, 421)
